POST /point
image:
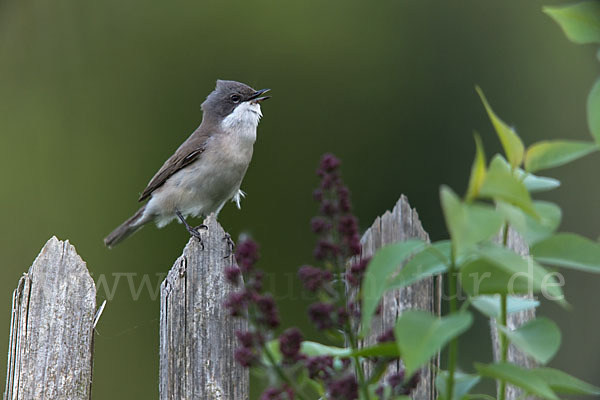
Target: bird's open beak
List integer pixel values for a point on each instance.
(255, 98)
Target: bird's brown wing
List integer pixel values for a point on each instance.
(186, 154)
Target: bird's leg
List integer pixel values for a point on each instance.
(230, 244)
(193, 231)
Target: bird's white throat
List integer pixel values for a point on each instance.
(245, 116)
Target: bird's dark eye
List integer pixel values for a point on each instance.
(235, 98)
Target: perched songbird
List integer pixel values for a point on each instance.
(207, 169)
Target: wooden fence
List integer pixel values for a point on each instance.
(54, 314)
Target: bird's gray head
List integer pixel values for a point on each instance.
(229, 96)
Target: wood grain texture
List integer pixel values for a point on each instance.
(400, 224)
(51, 336)
(197, 335)
(516, 243)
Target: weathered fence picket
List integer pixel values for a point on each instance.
(197, 336)
(51, 334)
(400, 224)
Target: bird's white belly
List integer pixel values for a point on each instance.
(204, 186)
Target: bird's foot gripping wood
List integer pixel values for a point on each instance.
(194, 231)
(230, 244)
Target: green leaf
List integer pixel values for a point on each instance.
(538, 277)
(386, 261)
(501, 184)
(533, 230)
(579, 21)
(480, 277)
(535, 183)
(562, 382)
(553, 153)
(420, 335)
(499, 270)
(511, 142)
(568, 250)
(520, 377)
(379, 350)
(468, 223)
(317, 349)
(433, 260)
(477, 170)
(490, 305)
(540, 338)
(463, 383)
(593, 111)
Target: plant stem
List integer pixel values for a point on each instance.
(503, 323)
(453, 347)
(357, 365)
(282, 375)
(350, 337)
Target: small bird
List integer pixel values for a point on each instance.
(207, 170)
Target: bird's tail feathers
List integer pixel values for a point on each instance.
(127, 228)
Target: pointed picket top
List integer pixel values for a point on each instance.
(51, 338)
(400, 224)
(197, 335)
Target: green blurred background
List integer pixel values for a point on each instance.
(95, 95)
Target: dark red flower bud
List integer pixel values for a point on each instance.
(290, 342)
(328, 208)
(348, 226)
(246, 338)
(318, 195)
(344, 199)
(329, 162)
(256, 281)
(342, 316)
(321, 315)
(246, 254)
(320, 225)
(268, 310)
(396, 380)
(313, 278)
(328, 181)
(345, 388)
(355, 273)
(325, 249)
(354, 246)
(412, 383)
(319, 367)
(245, 356)
(284, 393)
(237, 303)
(387, 336)
(232, 274)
